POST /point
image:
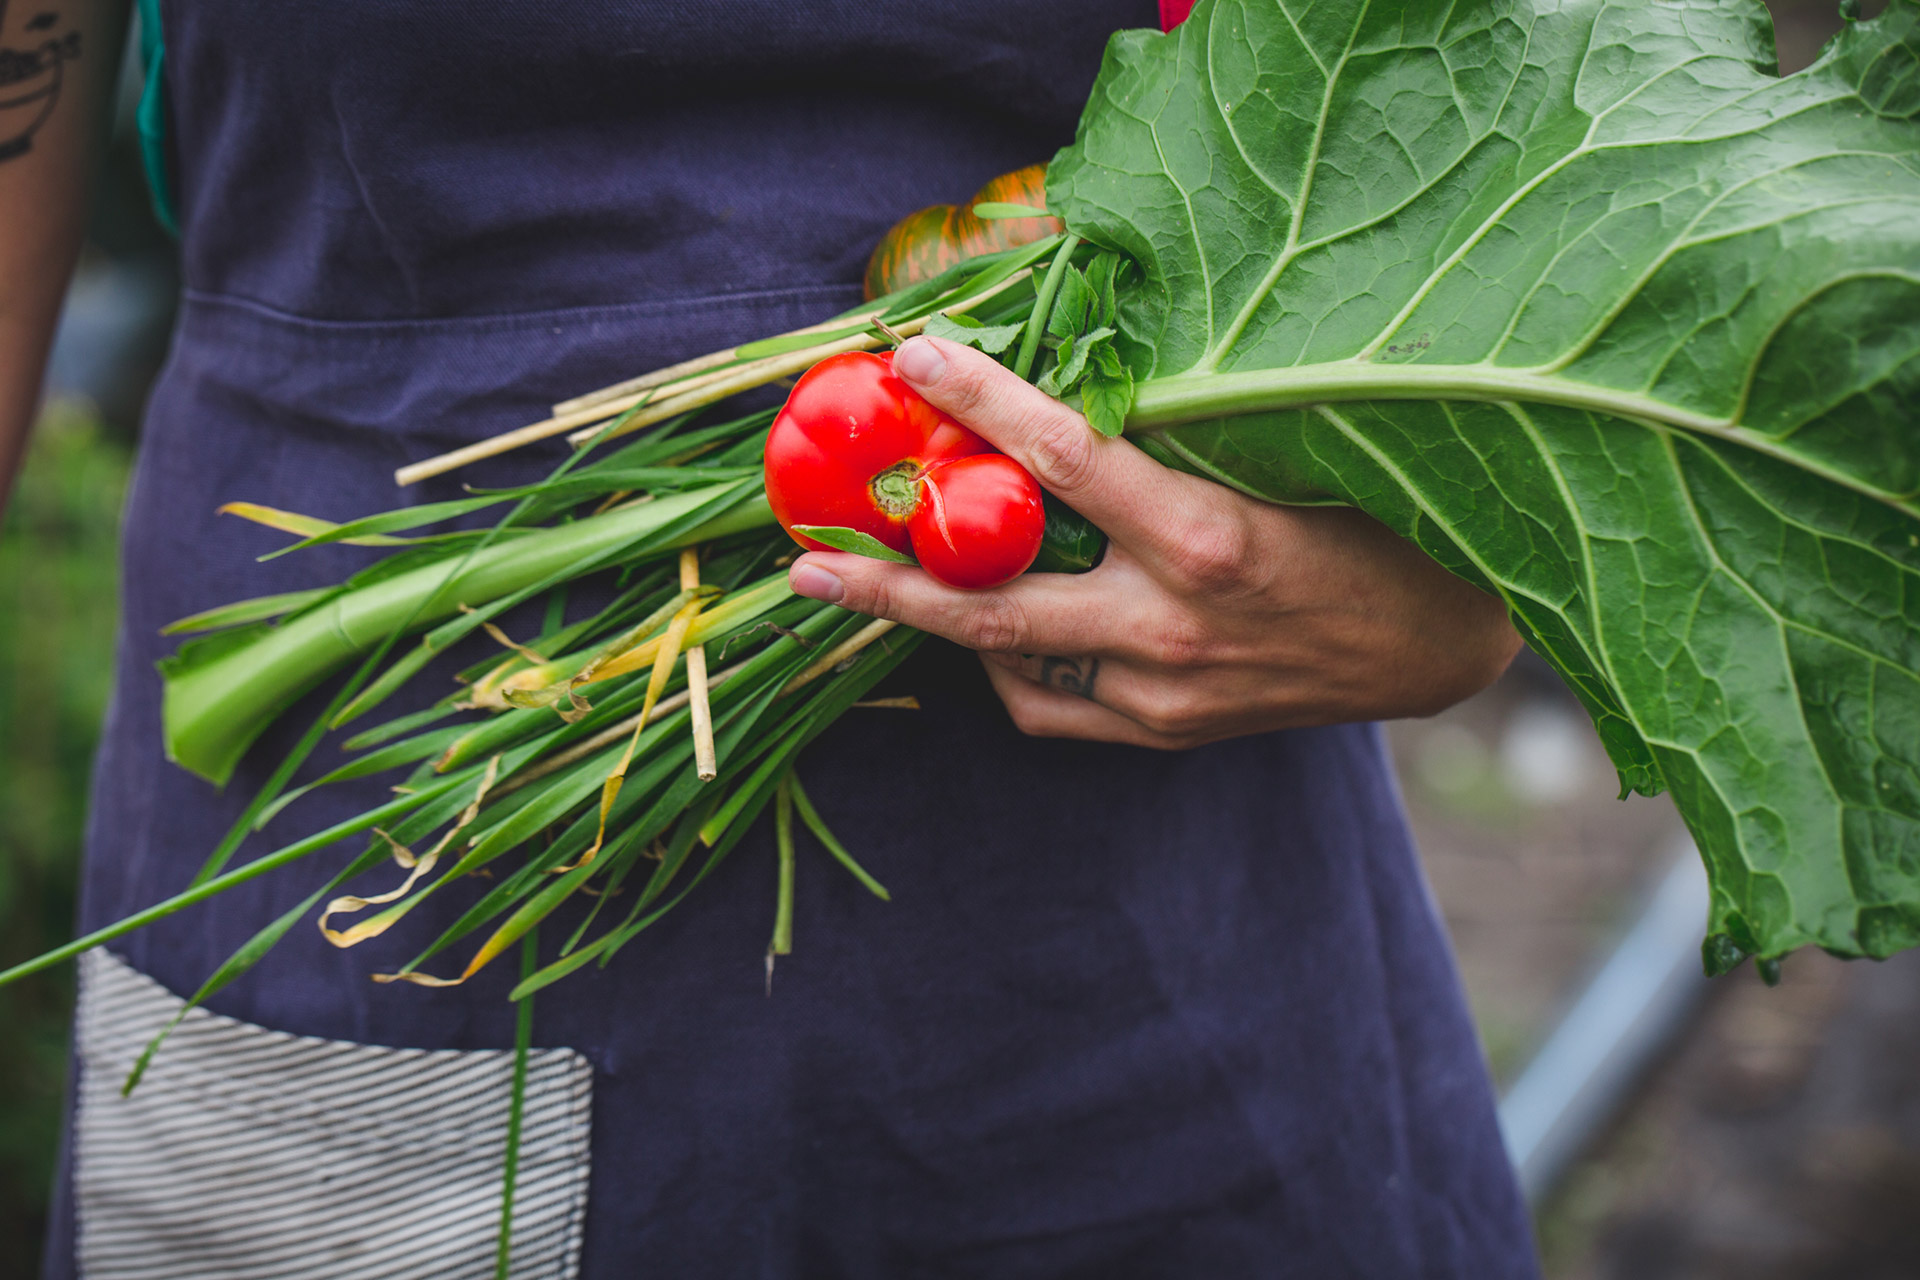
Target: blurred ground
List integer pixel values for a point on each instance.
(1536, 862)
(1780, 1140)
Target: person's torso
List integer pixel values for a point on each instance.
(1127, 1014)
(368, 160)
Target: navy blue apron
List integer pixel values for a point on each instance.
(1128, 1014)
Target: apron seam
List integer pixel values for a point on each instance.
(509, 321)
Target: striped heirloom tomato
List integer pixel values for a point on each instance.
(922, 245)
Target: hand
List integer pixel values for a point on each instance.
(1212, 615)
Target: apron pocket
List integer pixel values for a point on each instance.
(252, 1153)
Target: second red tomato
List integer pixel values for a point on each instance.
(980, 521)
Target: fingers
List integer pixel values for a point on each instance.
(1041, 712)
(1173, 708)
(1049, 611)
(1115, 611)
(1110, 482)
(1079, 676)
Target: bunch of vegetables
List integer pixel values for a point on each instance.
(1583, 299)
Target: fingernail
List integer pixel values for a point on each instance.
(919, 361)
(815, 583)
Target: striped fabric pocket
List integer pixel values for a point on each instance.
(252, 1153)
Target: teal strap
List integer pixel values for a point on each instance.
(152, 116)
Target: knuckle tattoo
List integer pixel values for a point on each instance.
(1078, 676)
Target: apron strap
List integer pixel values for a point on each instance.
(155, 152)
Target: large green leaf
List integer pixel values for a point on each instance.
(1611, 319)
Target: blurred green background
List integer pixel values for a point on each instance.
(57, 591)
(59, 578)
(1779, 1139)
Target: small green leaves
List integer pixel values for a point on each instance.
(1108, 392)
(968, 332)
(992, 210)
(1070, 363)
(860, 544)
(1102, 273)
(1080, 331)
(1072, 307)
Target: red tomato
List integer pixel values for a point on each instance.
(856, 447)
(980, 522)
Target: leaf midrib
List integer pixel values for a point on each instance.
(1197, 397)
(1297, 210)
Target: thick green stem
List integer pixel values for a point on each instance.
(517, 1106)
(1161, 403)
(1166, 402)
(1043, 307)
(782, 943)
(215, 708)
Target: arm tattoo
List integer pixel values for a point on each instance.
(30, 78)
(1070, 675)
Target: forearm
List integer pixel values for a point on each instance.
(65, 69)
